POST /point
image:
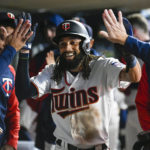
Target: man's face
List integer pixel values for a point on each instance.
(70, 52)
(69, 47)
(3, 36)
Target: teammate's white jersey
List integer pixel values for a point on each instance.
(81, 108)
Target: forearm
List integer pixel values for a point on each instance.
(135, 73)
(6, 57)
(131, 73)
(138, 48)
(24, 88)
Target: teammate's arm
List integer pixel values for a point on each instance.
(138, 48)
(24, 87)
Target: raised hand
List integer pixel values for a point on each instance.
(50, 58)
(20, 35)
(116, 32)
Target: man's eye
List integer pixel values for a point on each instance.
(72, 42)
(61, 44)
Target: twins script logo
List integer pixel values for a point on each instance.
(7, 86)
(75, 101)
(66, 26)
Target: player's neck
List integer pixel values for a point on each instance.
(77, 69)
(73, 73)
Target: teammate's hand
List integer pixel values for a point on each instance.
(116, 32)
(7, 147)
(20, 35)
(50, 58)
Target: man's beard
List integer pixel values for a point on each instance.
(71, 64)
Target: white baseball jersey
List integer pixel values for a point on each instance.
(81, 108)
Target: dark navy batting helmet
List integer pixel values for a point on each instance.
(74, 28)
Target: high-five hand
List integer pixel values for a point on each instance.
(21, 34)
(116, 32)
(50, 58)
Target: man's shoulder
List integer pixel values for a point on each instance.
(103, 62)
(106, 59)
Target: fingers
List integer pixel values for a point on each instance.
(18, 27)
(51, 53)
(106, 23)
(108, 28)
(113, 17)
(22, 30)
(20, 35)
(108, 17)
(120, 17)
(103, 34)
(50, 58)
(28, 35)
(25, 28)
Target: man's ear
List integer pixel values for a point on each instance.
(91, 43)
(3, 33)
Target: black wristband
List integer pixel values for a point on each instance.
(131, 61)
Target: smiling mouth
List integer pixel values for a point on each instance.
(69, 54)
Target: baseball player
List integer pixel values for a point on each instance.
(10, 41)
(81, 86)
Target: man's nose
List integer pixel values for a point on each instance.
(68, 47)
